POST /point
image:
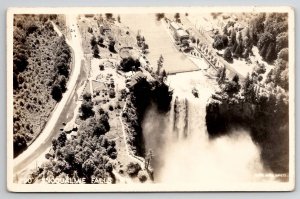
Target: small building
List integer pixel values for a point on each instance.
(174, 26)
(178, 32)
(104, 28)
(182, 34)
(134, 80)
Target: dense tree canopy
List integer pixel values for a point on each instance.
(233, 86)
(86, 107)
(20, 144)
(220, 42)
(129, 64)
(281, 41)
(56, 92)
(227, 54)
(41, 61)
(96, 51)
(284, 54)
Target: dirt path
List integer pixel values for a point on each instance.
(129, 152)
(45, 138)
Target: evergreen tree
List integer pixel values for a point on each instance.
(227, 54)
(62, 82)
(263, 50)
(270, 53)
(159, 16)
(249, 89)
(246, 43)
(238, 50)
(221, 75)
(282, 41)
(56, 92)
(284, 54)
(108, 16)
(232, 39)
(93, 41)
(247, 32)
(159, 64)
(111, 46)
(236, 78)
(225, 30)
(177, 17)
(164, 73)
(257, 25)
(233, 48)
(240, 39)
(265, 39)
(96, 51)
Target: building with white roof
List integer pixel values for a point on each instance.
(178, 32)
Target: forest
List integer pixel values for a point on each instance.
(91, 154)
(268, 32)
(41, 67)
(261, 107)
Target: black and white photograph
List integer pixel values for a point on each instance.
(150, 99)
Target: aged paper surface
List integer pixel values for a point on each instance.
(150, 99)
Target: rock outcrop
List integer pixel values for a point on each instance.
(267, 124)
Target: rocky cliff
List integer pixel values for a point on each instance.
(267, 123)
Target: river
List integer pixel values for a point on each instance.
(183, 152)
(159, 41)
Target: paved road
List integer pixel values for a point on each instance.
(44, 140)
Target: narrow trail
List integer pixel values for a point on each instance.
(129, 152)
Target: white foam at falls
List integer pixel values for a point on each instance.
(183, 153)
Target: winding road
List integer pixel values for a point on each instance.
(44, 140)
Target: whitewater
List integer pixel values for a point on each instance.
(183, 151)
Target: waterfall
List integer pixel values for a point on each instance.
(182, 149)
(180, 126)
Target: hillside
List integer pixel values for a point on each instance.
(41, 69)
